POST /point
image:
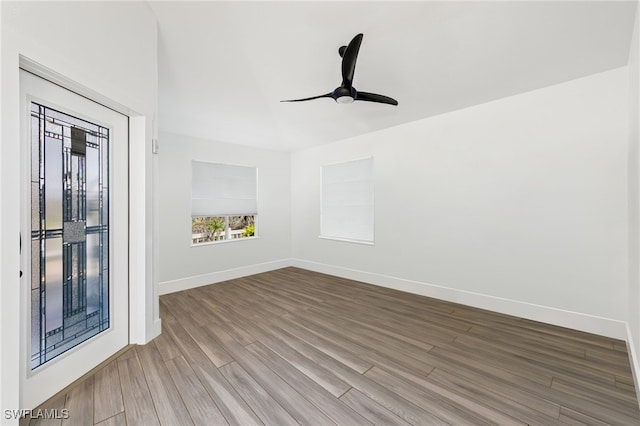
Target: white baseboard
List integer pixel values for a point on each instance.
(634, 361)
(574, 320)
(172, 286)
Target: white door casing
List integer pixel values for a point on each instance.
(41, 383)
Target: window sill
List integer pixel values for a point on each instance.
(347, 240)
(211, 243)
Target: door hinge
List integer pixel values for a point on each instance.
(20, 251)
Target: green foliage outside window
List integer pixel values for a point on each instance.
(205, 229)
(249, 231)
(216, 227)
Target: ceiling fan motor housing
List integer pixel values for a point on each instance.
(344, 95)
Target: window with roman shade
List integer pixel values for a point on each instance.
(347, 201)
(223, 201)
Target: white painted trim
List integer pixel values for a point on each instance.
(155, 329)
(574, 320)
(211, 243)
(634, 362)
(172, 286)
(38, 69)
(347, 240)
(37, 385)
(139, 262)
(139, 259)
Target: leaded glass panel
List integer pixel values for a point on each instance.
(70, 232)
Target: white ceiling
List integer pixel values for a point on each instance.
(224, 66)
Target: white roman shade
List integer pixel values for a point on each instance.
(347, 200)
(222, 189)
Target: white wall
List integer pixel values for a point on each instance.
(517, 205)
(182, 266)
(634, 202)
(5, 397)
(107, 51)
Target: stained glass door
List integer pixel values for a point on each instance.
(75, 304)
(69, 232)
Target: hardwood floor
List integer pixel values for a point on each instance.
(296, 347)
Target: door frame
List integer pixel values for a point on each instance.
(57, 373)
(144, 321)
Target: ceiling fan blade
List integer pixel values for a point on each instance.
(373, 97)
(328, 95)
(349, 60)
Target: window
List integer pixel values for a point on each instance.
(223, 202)
(347, 201)
(207, 229)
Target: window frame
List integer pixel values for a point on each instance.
(227, 216)
(321, 184)
(230, 240)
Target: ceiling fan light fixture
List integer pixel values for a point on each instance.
(344, 100)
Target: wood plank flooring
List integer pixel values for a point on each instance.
(296, 347)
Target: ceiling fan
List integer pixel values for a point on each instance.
(346, 93)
